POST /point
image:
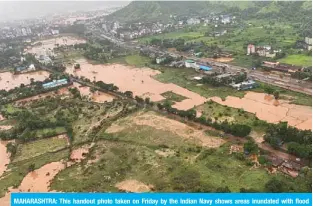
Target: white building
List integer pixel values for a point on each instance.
(193, 21)
(250, 49)
(31, 67)
(55, 32)
(308, 40)
(226, 20)
(24, 33)
(28, 30)
(191, 64)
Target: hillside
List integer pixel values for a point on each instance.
(154, 10)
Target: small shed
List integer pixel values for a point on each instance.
(204, 68)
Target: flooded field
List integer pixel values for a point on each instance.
(96, 96)
(9, 81)
(43, 175)
(4, 157)
(267, 108)
(138, 80)
(50, 44)
(31, 181)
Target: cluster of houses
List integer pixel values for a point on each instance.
(287, 167)
(13, 32)
(215, 19)
(281, 67)
(219, 74)
(139, 29)
(263, 51)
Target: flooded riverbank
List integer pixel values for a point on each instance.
(138, 80)
(4, 157)
(96, 96)
(50, 44)
(40, 179)
(267, 108)
(9, 80)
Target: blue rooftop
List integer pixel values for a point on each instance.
(205, 68)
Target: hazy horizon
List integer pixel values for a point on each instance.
(19, 10)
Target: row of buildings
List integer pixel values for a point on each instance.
(281, 67)
(55, 83)
(263, 51)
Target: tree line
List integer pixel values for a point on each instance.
(299, 142)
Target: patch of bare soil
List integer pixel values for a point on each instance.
(158, 122)
(165, 152)
(79, 154)
(5, 127)
(235, 149)
(133, 186)
(115, 128)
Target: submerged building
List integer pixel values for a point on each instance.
(55, 83)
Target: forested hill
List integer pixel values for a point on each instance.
(297, 12)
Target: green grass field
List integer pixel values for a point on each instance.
(181, 77)
(221, 113)
(133, 154)
(173, 97)
(39, 147)
(297, 59)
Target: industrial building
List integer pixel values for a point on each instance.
(191, 64)
(250, 84)
(55, 83)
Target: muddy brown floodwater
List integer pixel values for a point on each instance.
(138, 80)
(4, 157)
(267, 108)
(39, 180)
(9, 80)
(96, 96)
(36, 181)
(50, 44)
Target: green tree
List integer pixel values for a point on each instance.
(274, 185)
(276, 94)
(11, 148)
(251, 147)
